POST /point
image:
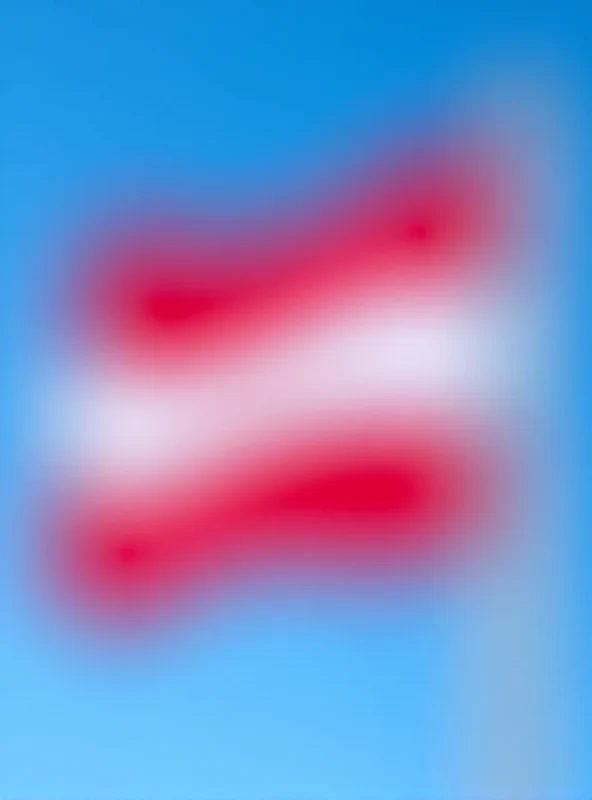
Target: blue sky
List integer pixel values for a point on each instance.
(274, 697)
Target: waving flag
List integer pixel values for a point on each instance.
(330, 390)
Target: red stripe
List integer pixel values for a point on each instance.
(372, 497)
(160, 290)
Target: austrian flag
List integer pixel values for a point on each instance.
(331, 389)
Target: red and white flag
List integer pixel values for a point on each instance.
(332, 390)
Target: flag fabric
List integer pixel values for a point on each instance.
(329, 388)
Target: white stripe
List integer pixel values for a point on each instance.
(113, 422)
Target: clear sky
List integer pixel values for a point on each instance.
(280, 694)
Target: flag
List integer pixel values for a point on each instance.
(330, 388)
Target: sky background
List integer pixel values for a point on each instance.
(279, 694)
